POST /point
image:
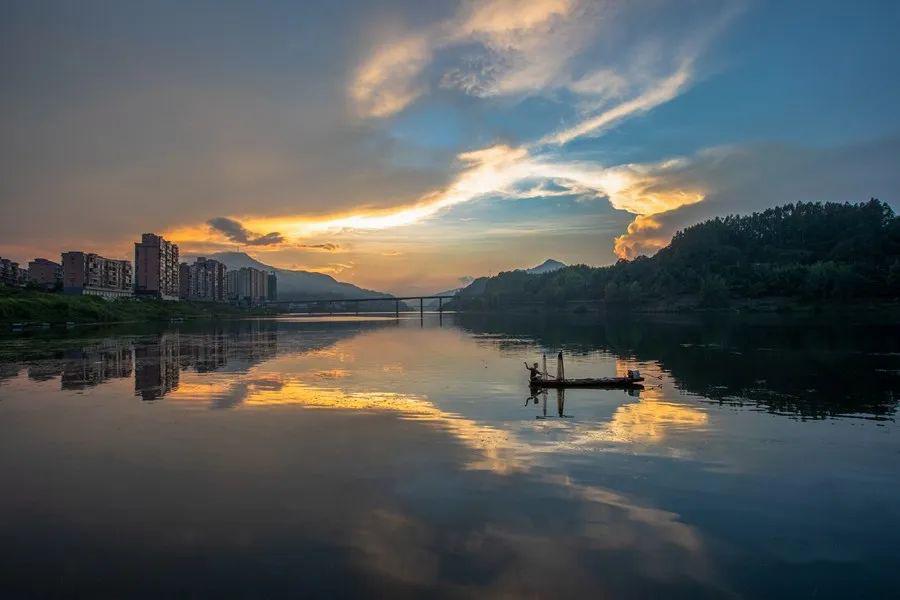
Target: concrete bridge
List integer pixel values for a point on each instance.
(331, 302)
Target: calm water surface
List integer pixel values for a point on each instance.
(351, 457)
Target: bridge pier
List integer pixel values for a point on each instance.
(357, 308)
(421, 307)
(397, 309)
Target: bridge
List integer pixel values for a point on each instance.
(331, 302)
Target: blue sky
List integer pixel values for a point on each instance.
(405, 145)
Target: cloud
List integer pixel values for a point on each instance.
(236, 232)
(507, 47)
(499, 48)
(659, 93)
(387, 82)
(643, 236)
(329, 269)
(230, 228)
(516, 173)
(326, 247)
(269, 239)
(514, 48)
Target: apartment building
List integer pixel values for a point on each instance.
(272, 292)
(247, 285)
(45, 273)
(204, 280)
(93, 275)
(156, 267)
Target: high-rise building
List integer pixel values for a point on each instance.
(156, 267)
(93, 275)
(203, 281)
(184, 281)
(45, 273)
(272, 292)
(247, 285)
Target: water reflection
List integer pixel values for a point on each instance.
(821, 375)
(158, 363)
(86, 367)
(804, 367)
(541, 396)
(388, 457)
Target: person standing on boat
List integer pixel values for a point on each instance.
(534, 373)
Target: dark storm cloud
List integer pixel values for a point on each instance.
(233, 230)
(270, 239)
(236, 232)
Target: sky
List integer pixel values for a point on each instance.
(408, 146)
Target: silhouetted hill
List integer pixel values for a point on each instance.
(805, 251)
(476, 286)
(297, 285)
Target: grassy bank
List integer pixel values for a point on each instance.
(34, 306)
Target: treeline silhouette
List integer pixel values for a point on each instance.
(803, 251)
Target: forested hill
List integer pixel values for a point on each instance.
(807, 251)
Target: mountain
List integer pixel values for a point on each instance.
(297, 285)
(477, 285)
(548, 266)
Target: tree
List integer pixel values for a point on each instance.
(714, 292)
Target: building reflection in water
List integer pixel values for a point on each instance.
(96, 365)
(155, 361)
(158, 364)
(87, 367)
(156, 367)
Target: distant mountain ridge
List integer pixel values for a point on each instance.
(548, 266)
(477, 286)
(297, 284)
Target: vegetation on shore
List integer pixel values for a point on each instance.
(800, 253)
(20, 305)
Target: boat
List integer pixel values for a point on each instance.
(540, 379)
(597, 382)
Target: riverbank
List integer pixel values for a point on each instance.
(30, 306)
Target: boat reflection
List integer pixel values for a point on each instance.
(541, 396)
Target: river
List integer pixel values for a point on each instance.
(349, 456)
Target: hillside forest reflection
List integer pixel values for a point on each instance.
(411, 456)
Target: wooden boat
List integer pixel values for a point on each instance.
(540, 379)
(599, 382)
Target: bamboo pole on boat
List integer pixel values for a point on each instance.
(545, 366)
